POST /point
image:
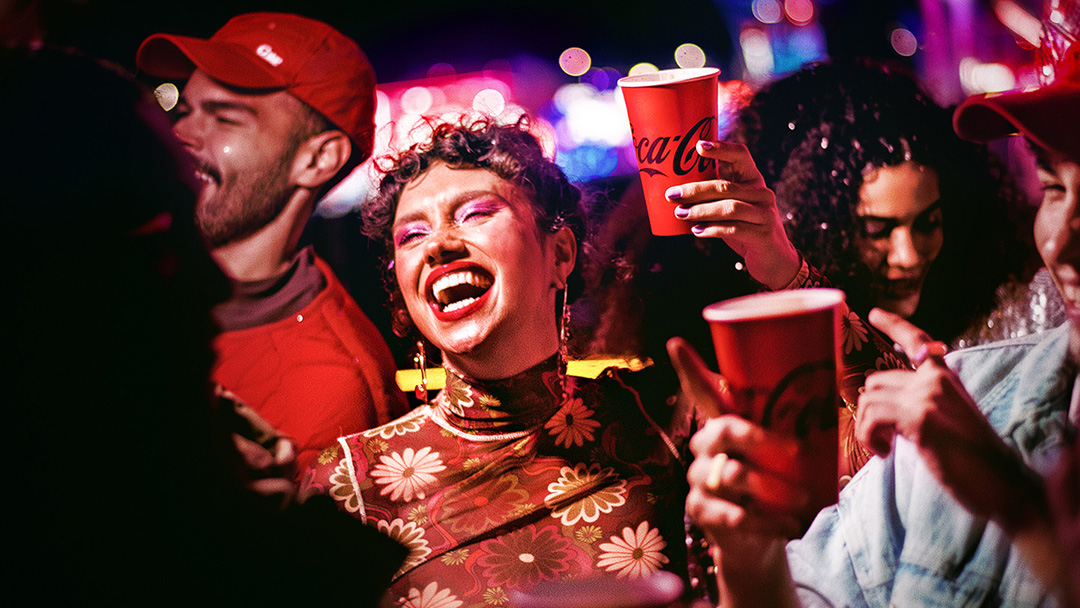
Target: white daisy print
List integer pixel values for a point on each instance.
(430, 597)
(634, 555)
(407, 474)
(411, 536)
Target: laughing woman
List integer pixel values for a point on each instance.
(515, 473)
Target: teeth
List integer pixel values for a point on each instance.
(204, 177)
(451, 280)
(459, 304)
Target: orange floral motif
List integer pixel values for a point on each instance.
(853, 331)
(329, 454)
(473, 511)
(572, 424)
(526, 557)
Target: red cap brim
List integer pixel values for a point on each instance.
(1049, 116)
(169, 56)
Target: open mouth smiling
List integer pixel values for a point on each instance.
(206, 174)
(455, 290)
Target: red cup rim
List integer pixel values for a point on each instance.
(665, 77)
(773, 304)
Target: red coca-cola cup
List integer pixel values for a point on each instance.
(669, 112)
(780, 355)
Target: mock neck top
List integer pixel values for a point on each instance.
(495, 407)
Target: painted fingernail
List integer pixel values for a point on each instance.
(706, 145)
(697, 229)
(673, 192)
(682, 212)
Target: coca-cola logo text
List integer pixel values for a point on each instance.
(654, 156)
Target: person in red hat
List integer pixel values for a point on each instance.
(974, 497)
(276, 110)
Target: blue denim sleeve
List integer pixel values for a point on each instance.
(848, 556)
(897, 538)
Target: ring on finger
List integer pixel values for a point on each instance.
(716, 471)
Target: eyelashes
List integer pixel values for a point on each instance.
(470, 212)
(878, 228)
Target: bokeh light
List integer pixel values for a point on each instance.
(767, 11)
(977, 77)
(416, 100)
(490, 102)
(599, 78)
(799, 12)
(566, 95)
(689, 55)
(575, 61)
(440, 70)
(382, 108)
(903, 42)
(596, 120)
(167, 95)
(588, 162)
(643, 68)
(757, 52)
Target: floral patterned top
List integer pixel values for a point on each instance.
(498, 486)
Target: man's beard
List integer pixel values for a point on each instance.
(245, 206)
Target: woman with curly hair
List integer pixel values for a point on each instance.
(882, 197)
(515, 473)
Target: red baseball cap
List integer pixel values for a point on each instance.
(278, 51)
(1049, 115)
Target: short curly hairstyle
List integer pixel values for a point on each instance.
(509, 151)
(817, 132)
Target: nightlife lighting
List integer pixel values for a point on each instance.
(382, 108)
(490, 102)
(416, 100)
(767, 11)
(643, 68)
(1019, 21)
(167, 95)
(596, 120)
(575, 61)
(588, 162)
(799, 12)
(757, 52)
(689, 55)
(977, 77)
(599, 78)
(903, 42)
(440, 70)
(567, 94)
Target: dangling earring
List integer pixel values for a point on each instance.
(564, 341)
(420, 359)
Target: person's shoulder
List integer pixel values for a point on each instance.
(1003, 355)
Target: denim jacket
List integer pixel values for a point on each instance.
(898, 538)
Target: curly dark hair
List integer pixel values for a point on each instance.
(816, 133)
(509, 151)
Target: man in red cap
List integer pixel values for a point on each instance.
(277, 109)
(974, 498)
